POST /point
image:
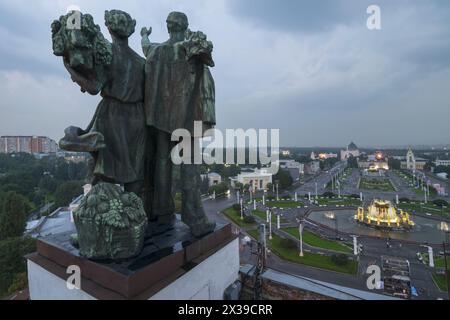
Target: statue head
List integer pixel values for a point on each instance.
(119, 23)
(177, 22)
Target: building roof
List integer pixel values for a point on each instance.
(352, 147)
(256, 173)
(319, 287)
(213, 175)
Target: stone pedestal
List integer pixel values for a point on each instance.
(173, 265)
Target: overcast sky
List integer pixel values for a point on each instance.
(310, 68)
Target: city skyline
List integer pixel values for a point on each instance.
(336, 82)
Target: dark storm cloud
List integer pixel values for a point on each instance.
(323, 15)
(294, 15)
(310, 68)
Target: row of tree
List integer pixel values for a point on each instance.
(28, 183)
(14, 209)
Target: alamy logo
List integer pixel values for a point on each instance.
(374, 280)
(73, 282)
(261, 149)
(74, 20)
(374, 20)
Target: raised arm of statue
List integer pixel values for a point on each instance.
(145, 41)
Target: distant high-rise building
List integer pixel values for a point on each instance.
(27, 144)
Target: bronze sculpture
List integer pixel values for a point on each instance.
(129, 137)
(179, 90)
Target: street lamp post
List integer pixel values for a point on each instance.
(425, 194)
(336, 226)
(300, 232)
(242, 209)
(270, 224)
(332, 181)
(278, 199)
(339, 189)
(316, 189)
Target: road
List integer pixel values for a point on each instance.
(373, 248)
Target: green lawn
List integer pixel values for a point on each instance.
(439, 262)
(235, 216)
(439, 280)
(424, 208)
(318, 242)
(347, 173)
(408, 178)
(284, 204)
(376, 184)
(341, 202)
(310, 259)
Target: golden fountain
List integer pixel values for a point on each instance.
(381, 213)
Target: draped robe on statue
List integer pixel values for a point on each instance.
(178, 91)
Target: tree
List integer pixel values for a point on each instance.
(440, 203)
(352, 162)
(394, 163)
(13, 215)
(204, 185)
(329, 194)
(284, 179)
(12, 263)
(66, 192)
(238, 186)
(48, 183)
(219, 189)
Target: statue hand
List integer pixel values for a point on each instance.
(146, 32)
